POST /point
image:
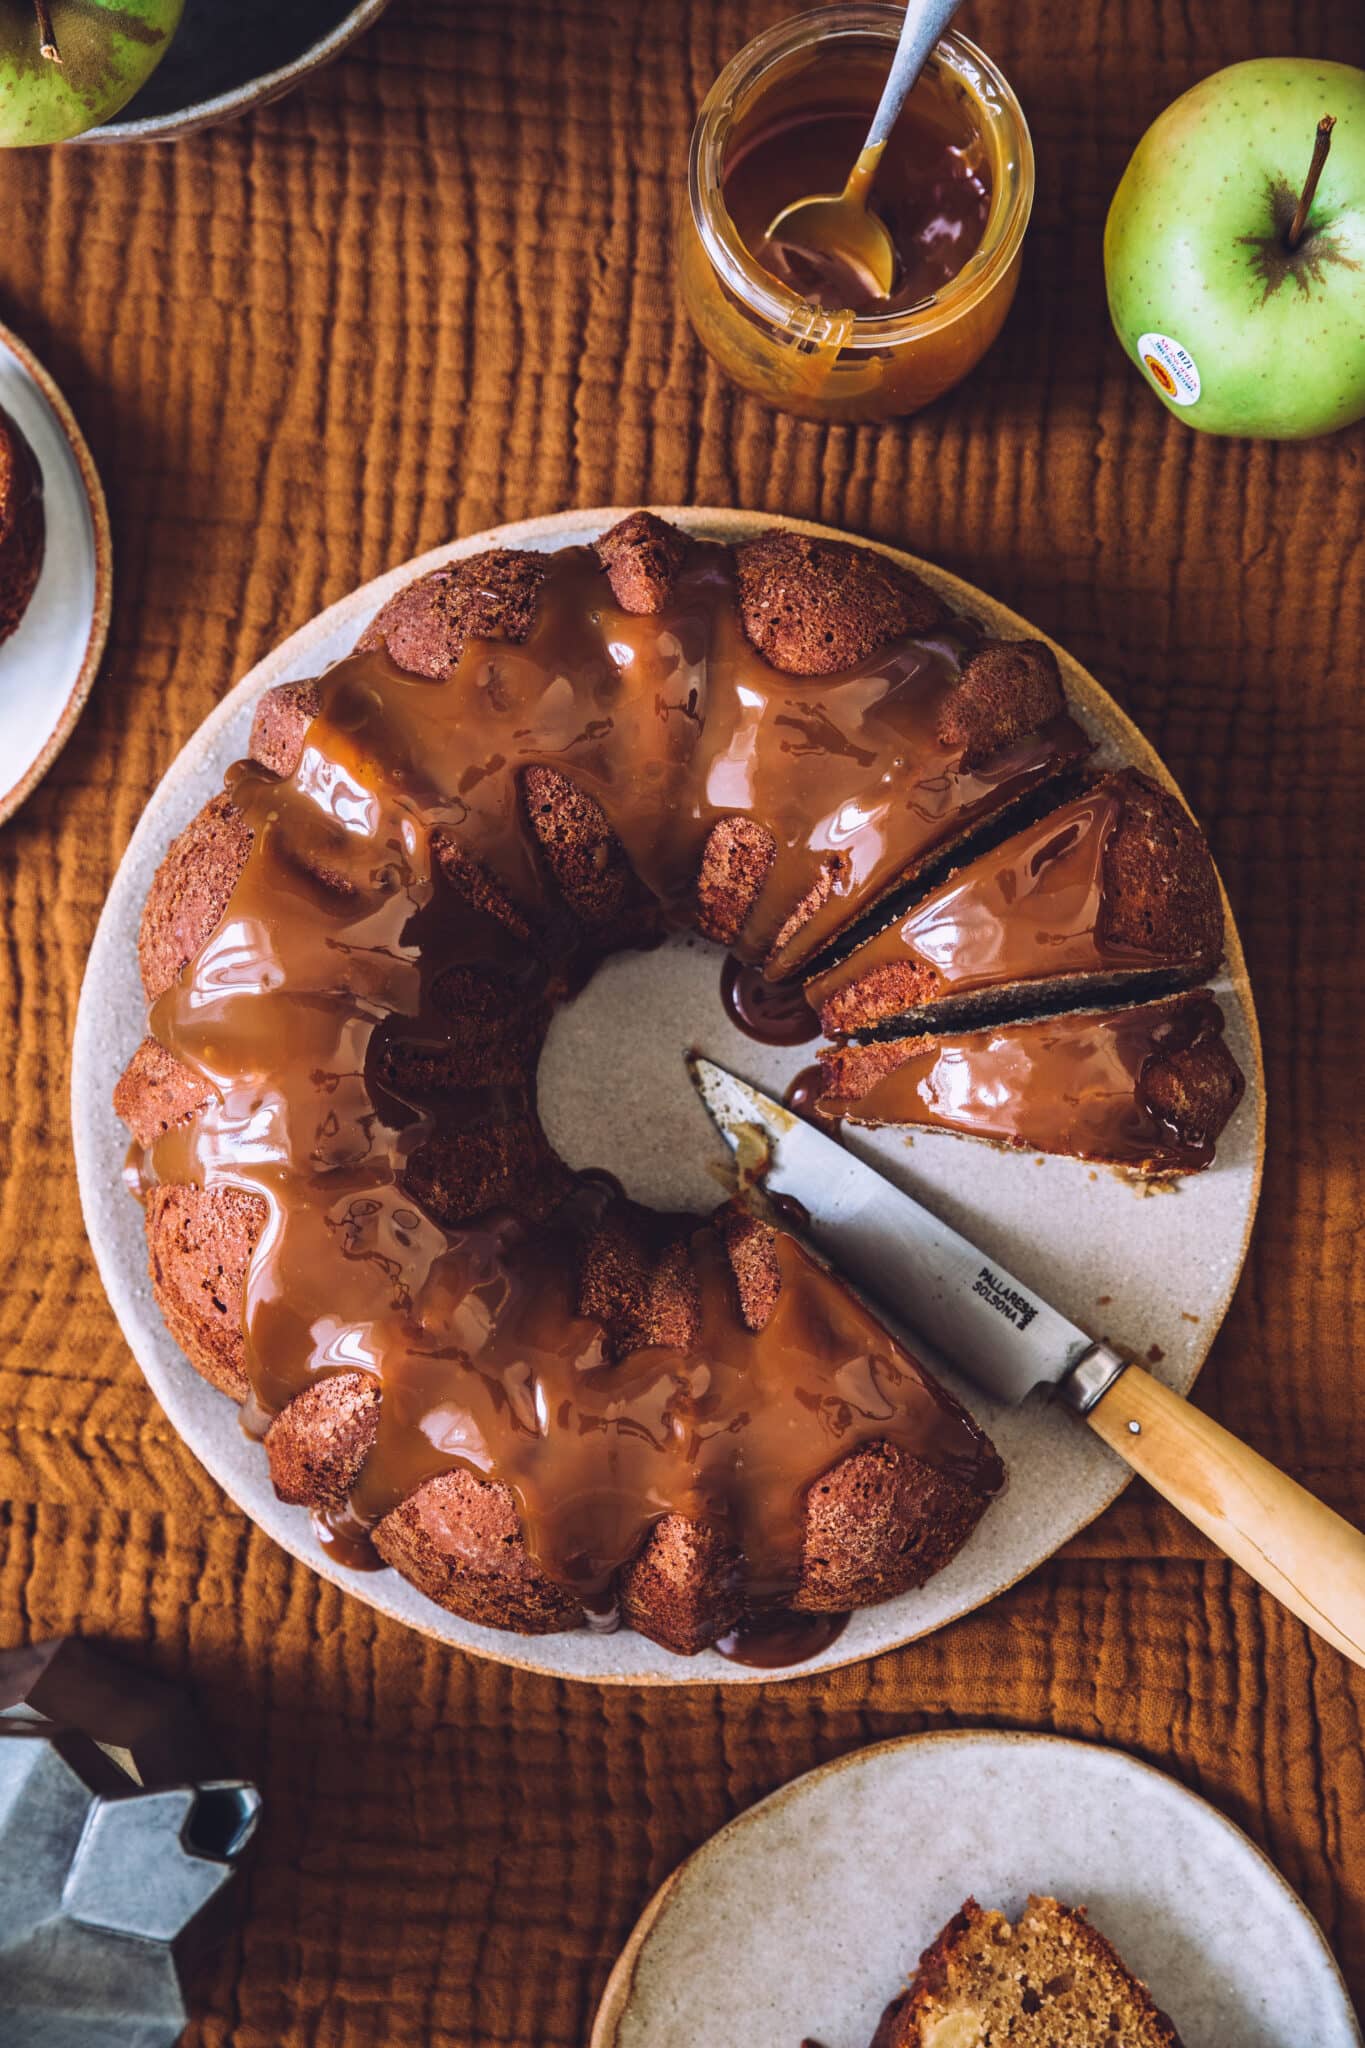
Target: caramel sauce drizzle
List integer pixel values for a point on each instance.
(1072, 1083)
(314, 1012)
(1030, 910)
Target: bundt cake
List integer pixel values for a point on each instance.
(22, 526)
(1148, 1087)
(1113, 892)
(544, 1405)
(1049, 1980)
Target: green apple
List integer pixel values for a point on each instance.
(1237, 327)
(67, 65)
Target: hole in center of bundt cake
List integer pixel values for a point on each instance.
(614, 1090)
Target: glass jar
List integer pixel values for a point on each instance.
(846, 366)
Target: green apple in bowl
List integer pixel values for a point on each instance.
(67, 65)
(1234, 252)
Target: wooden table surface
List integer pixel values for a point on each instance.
(434, 290)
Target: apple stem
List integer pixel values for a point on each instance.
(49, 40)
(1322, 142)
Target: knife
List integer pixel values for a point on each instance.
(1006, 1339)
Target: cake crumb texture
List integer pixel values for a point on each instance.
(1049, 1980)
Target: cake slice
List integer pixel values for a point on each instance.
(1113, 893)
(1149, 1088)
(1050, 1980)
(22, 525)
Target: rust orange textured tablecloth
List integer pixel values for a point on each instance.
(432, 291)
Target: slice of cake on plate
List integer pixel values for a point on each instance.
(22, 526)
(1114, 894)
(1049, 1980)
(1148, 1088)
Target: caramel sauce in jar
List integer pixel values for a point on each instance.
(785, 120)
(932, 195)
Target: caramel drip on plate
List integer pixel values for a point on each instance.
(317, 1012)
(772, 1012)
(1072, 1084)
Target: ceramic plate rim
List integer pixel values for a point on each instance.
(612, 2007)
(22, 790)
(288, 1527)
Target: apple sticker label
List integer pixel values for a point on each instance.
(1171, 368)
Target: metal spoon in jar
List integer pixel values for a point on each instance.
(838, 226)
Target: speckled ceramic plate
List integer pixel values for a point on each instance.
(49, 662)
(802, 1919)
(227, 57)
(1145, 1270)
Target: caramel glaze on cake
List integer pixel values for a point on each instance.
(1114, 892)
(1149, 1087)
(22, 526)
(545, 1404)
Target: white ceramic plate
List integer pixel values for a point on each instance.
(1144, 1270)
(804, 1917)
(48, 664)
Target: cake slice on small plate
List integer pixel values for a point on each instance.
(1049, 1980)
(55, 572)
(22, 530)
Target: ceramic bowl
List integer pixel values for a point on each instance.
(224, 59)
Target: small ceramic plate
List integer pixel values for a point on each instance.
(802, 1919)
(224, 59)
(1152, 1272)
(49, 662)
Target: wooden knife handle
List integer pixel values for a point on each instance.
(1299, 1550)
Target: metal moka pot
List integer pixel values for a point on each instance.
(119, 1844)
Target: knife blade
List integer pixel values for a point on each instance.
(968, 1306)
(1007, 1339)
